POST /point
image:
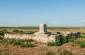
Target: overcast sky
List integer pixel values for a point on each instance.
(35, 12)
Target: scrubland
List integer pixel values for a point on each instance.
(72, 46)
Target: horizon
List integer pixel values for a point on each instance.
(58, 13)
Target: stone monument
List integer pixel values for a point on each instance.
(43, 28)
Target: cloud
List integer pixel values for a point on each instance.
(83, 21)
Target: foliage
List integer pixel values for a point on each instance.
(18, 42)
(28, 40)
(5, 31)
(8, 41)
(62, 40)
(12, 41)
(2, 32)
(71, 38)
(26, 45)
(17, 31)
(82, 36)
(81, 43)
(59, 42)
(56, 43)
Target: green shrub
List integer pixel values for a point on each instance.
(81, 43)
(5, 31)
(17, 42)
(26, 45)
(15, 31)
(1, 33)
(12, 41)
(64, 52)
(63, 40)
(28, 40)
(56, 43)
(71, 38)
(82, 36)
(49, 53)
(7, 40)
(4, 41)
(51, 43)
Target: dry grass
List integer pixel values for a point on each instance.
(50, 29)
(40, 48)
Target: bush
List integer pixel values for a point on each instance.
(9, 41)
(81, 43)
(59, 42)
(63, 40)
(12, 41)
(71, 38)
(5, 31)
(51, 43)
(56, 43)
(15, 31)
(49, 53)
(82, 36)
(64, 52)
(26, 45)
(1, 33)
(17, 42)
(28, 40)
(4, 41)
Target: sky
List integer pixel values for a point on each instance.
(36, 12)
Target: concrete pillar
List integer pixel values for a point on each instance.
(43, 28)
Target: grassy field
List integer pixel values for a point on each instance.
(50, 29)
(31, 47)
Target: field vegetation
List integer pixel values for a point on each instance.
(64, 46)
